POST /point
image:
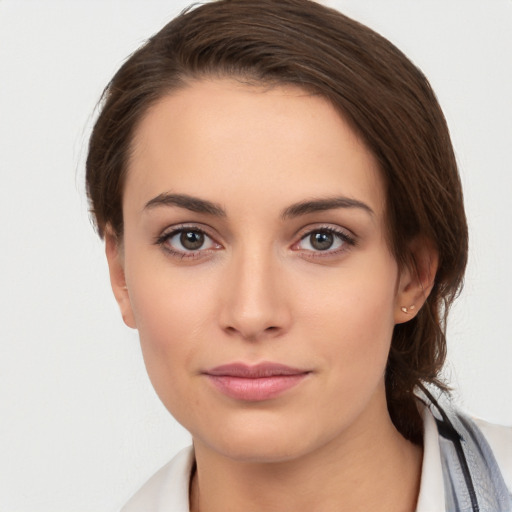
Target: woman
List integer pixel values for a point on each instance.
(284, 226)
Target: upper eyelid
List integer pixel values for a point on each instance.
(333, 228)
(193, 226)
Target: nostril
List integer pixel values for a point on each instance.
(252, 334)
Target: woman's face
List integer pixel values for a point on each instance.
(257, 269)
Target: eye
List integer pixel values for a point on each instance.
(321, 241)
(327, 240)
(187, 242)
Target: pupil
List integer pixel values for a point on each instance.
(321, 241)
(192, 240)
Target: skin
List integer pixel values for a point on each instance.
(258, 290)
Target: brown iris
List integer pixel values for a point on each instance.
(321, 240)
(192, 240)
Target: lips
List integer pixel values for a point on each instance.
(255, 383)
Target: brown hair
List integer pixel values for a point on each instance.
(388, 101)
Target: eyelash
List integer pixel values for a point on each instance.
(347, 241)
(163, 240)
(339, 234)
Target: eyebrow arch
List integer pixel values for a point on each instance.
(194, 204)
(318, 205)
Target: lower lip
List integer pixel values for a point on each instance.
(255, 389)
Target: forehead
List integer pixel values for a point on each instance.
(225, 139)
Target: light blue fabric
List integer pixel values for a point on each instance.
(472, 479)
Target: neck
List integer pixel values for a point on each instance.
(371, 469)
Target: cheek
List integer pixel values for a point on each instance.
(173, 314)
(168, 303)
(351, 317)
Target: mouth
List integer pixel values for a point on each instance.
(255, 383)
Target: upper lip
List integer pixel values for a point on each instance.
(261, 370)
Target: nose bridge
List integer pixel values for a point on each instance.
(255, 304)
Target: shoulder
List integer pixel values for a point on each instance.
(477, 455)
(167, 488)
(499, 438)
(475, 458)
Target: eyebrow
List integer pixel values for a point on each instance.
(194, 204)
(318, 205)
(197, 205)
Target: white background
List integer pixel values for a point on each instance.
(80, 426)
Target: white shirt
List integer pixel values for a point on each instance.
(167, 490)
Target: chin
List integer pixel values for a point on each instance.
(261, 439)
(259, 449)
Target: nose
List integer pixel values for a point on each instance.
(256, 302)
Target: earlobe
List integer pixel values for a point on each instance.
(416, 279)
(115, 259)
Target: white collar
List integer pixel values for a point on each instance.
(167, 489)
(431, 496)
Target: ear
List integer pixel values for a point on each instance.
(115, 259)
(416, 279)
